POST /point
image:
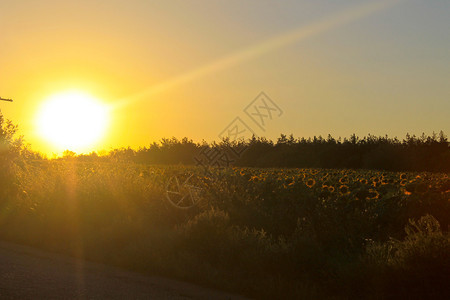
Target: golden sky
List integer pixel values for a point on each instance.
(188, 68)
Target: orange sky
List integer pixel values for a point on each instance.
(188, 68)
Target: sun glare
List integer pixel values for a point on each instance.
(72, 120)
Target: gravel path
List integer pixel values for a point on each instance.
(28, 273)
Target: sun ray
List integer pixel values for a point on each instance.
(299, 34)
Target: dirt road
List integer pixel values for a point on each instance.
(28, 273)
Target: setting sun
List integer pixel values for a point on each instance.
(72, 120)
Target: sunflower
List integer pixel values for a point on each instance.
(344, 180)
(410, 188)
(327, 183)
(403, 182)
(331, 189)
(363, 181)
(373, 194)
(254, 178)
(403, 176)
(314, 172)
(310, 182)
(344, 190)
(376, 184)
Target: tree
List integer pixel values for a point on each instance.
(7, 133)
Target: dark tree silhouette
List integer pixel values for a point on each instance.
(424, 153)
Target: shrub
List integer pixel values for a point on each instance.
(416, 267)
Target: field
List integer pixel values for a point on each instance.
(266, 233)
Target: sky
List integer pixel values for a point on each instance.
(189, 68)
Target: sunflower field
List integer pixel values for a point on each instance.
(264, 233)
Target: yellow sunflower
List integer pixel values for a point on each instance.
(343, 180)
(314, 172)
(344, 190)
(310, 182)
(373, 194)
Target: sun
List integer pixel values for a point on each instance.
(72, 120)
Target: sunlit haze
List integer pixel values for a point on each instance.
(188, 68)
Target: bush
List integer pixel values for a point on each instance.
(416, 267)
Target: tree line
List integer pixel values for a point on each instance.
(413, 153)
